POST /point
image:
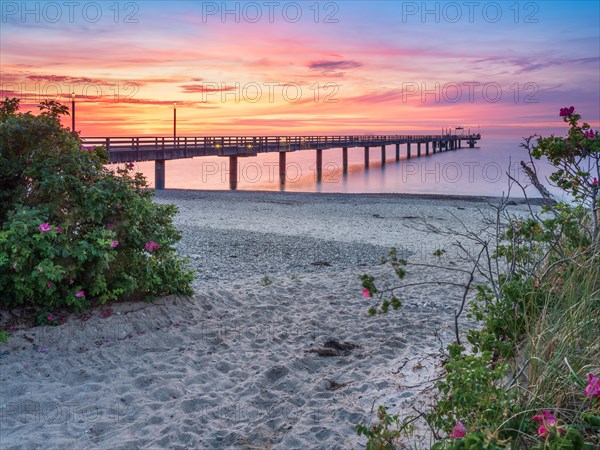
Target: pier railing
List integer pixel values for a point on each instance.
(148, 148)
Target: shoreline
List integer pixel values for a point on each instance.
(187, 193)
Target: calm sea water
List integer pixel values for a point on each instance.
(478, 171)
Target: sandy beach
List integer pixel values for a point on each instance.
(276, 349)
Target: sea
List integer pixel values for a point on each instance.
(485, 170)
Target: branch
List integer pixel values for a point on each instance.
(464, 299)
(532, 174)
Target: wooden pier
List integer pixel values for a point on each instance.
(161, 149)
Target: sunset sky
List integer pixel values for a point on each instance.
(321, 67)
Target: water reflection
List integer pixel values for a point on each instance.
(478, 171)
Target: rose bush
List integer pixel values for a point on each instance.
(73, 232)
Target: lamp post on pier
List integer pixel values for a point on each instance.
(73, 112)
(174, 123)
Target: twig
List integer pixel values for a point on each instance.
(424, 382)
(435, 435)
(439, 267)
(514, 380)
(464, 299)
(400, 367)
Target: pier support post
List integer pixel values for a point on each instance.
(345, 160)
(233, 172)
(408, 151)
(397, 152)
(434, 145)
(427, 148)
(319, 164)
(282, 161)
(383, 155)
(159, 174)
(419, 149)
(367, 157)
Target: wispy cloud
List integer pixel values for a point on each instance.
(328, 66)
(201, 88)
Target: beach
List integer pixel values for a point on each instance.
(276, 349)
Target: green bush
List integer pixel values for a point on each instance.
(471, 392)
(539, 319)
(478, 440)
(73, 231)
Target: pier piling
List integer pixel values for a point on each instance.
(345, 160)
(233, 172)
(282, 162)
(319, 164)
(159, 174)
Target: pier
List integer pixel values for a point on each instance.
(161, 149)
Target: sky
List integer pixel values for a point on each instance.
(299, 68)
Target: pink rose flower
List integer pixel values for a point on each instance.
(589, 134)
(80, 294)
(45, 227)
(114, 244)
(593, 387)
(547, 421)
(366, 293)
(59, 230)
(546, 416)
(564, 112)
(151, 246)
(49, 284)
(459, 431)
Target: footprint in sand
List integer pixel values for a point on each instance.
(276, 372)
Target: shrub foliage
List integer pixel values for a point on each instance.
(530, 377)
(75, 232)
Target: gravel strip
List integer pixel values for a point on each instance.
(228, 255)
